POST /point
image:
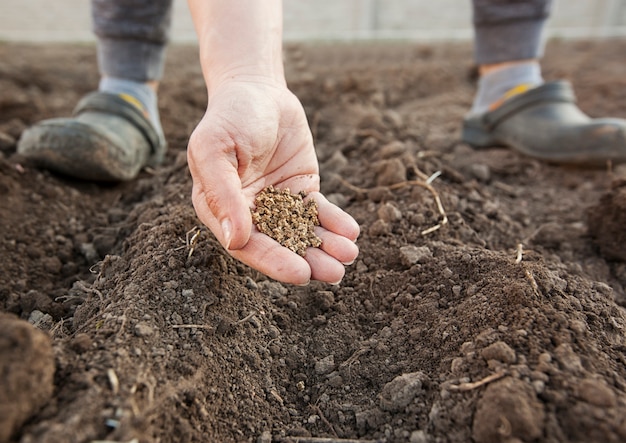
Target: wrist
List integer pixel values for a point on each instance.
(252, 73)
(239, 39)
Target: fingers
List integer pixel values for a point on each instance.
(324, 267)
(337, 246)
(338, 232)
(269, 257)
(323, 264)
(334, 218)
(326, 264)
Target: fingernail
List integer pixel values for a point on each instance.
(227, 232)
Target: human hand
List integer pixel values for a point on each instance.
(255, 134)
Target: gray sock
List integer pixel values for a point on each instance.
(493, 86)
(140, 91)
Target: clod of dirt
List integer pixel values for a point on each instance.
(27, 368)
(287, 218)
(400, 392)
(606, 222)
(508, 409)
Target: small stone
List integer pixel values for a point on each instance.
(273, 332)
(361, 268)
(401, 391)
(411, 254)
(251, 284)
(499, 351)
(319, 320)
(480, 172)
(418, 437)
(391, 172)
(40, 320)
(379, 228)
(265, 437)
(89, 252)
(325, 365)
(273, 289)
(578, 326)
(143, 330)
(389, 213)
(568, 359)
(177, 319)
(539, 386)
(336, 381)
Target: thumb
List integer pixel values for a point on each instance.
(221, 205)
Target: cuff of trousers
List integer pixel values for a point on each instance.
(131, 59)
(508, 41)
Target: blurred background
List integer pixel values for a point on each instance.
(427, 20)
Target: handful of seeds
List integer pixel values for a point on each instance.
(287, 218)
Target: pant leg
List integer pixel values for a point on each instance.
(508, 30)
(132, 37)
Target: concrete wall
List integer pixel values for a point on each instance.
(69, 20)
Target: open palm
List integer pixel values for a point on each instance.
(255, 134)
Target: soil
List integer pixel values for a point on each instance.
(497, 317)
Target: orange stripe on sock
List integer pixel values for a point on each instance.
(133, 101)
(517, 90)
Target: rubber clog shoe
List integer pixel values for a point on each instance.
(546, 124)
(107, 139)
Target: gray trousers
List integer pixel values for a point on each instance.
(132, 34)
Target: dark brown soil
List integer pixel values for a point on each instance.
(505, 324)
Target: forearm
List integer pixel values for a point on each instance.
(239, 39)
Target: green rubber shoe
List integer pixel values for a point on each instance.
(546, 124)
(107, 139)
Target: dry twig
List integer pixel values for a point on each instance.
(518, 259)
(113, 381)
(462, 387)
(191, 242)
(533, 282)
(355, 356)
(192, 327)
(246, 318)
(319, 412)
